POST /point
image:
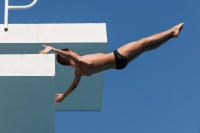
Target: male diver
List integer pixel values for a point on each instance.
(93, 63)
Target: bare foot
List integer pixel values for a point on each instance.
(177, 29)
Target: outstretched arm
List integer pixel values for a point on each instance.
(65, 54)
(61, 97)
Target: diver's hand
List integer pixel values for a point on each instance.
(46, 50)
(59, 98)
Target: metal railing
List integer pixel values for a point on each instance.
(7, 7)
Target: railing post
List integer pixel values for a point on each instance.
(7, 7)
(6, 16)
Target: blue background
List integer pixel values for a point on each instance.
(159, 91)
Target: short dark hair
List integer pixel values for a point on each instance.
(61, 60)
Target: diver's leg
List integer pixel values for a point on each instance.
(147, 48)
(133, 47)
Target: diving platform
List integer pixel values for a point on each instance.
(83, 38)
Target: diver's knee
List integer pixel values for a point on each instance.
(143, 41)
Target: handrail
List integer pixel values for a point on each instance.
(7, 7)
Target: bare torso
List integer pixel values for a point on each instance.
(94, 63)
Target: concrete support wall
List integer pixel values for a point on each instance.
(27, 87)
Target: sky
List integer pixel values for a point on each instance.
(159, 91)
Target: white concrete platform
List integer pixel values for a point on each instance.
(50, 33)
(27, 65)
